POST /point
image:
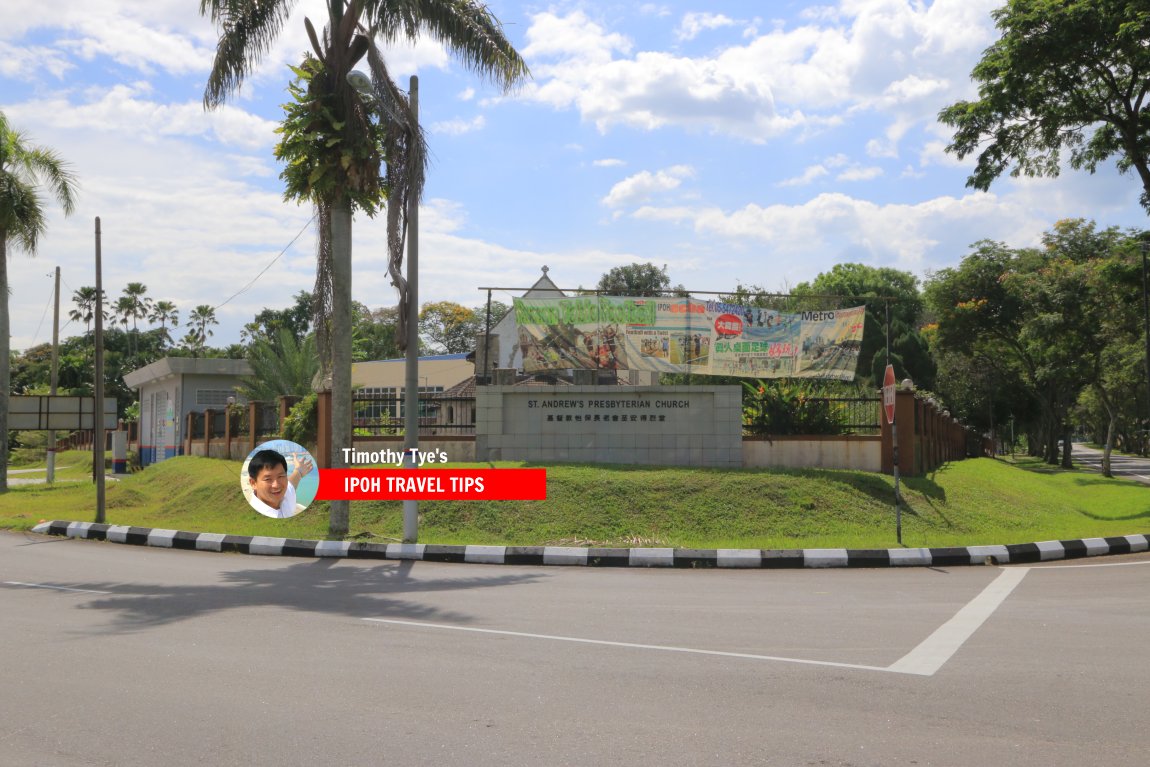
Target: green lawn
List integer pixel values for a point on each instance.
(978, 501)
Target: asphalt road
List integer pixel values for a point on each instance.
(1123, 466)
(122, 655)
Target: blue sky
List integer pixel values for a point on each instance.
(736, 142)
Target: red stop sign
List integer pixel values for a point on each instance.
(888, 393)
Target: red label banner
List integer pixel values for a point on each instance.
(432, 485)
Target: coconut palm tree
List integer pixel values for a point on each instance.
(199, 327)
(25, 172)
(122, 312)
(85, 311)
(164, 312)
(132, 306)
(346, 170)
(136, 296)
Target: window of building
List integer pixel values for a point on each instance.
(216, 397)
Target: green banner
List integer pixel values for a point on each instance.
(685, 335)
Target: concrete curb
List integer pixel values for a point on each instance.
(1021, 553)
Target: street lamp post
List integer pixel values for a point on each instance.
(362, 84)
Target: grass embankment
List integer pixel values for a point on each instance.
(978, 501)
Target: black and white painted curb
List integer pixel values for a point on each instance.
(603, 557)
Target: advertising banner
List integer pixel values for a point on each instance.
(687, 335)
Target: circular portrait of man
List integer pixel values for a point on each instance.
(279, 479)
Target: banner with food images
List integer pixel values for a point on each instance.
(687, 335)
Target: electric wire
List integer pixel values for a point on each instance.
(270, 264)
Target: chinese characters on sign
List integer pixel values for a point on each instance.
(684, 335)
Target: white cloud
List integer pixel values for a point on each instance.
(124, 108)
(808, 176)
(858, 173)
(32, 62)
(141, 47)
(884, 56)
(833, 228)
(695, 23)
(642, 186)
(609, 162)
(458, 126)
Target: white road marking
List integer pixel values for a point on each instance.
(924, 660)
(939, 647)
(1092, 564)
(54, 588)
(631, 645)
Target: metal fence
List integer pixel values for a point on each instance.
(376, 415)
(821, 416)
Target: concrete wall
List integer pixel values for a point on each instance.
(849, 452)
(652, 425)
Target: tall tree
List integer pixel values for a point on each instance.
(450, 328)
(1066, 76)
(1039, 320)
(909, 349)
(26, 171)
(331, 149)
(267, 324)
(638, 280)
(373, 336)
(136, 298)
(165, 312)
(284, 366)
(85, 311)
(199, 327)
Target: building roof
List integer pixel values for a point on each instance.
(169, 367)
(463, 389)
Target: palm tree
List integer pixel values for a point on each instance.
(346, 172)
(140, 303)
(198, 327)
(283, 366)
(85, 311)
(164, 312)
(124, 310)
(133, 305)
(24, 171)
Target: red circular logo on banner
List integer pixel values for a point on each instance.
(728, 325)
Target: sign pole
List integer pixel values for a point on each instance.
(888, 401)
(897, 505)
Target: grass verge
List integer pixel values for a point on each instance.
(977, 501)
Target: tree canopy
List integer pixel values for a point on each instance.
(1039, 327)
(1066, 77)
(638, 280)
(878, 287)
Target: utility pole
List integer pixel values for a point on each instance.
(98, 386)
(51, 476)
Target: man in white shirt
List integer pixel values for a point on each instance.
(273, 489)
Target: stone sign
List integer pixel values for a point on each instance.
(654, 425)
